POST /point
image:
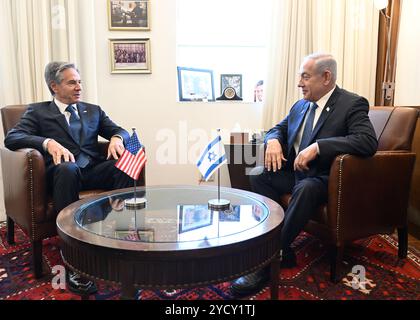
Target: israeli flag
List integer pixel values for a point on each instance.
(212, 157)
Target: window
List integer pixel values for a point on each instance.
(226, 36)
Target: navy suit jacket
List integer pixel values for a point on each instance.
(343, 127)
(44, 120)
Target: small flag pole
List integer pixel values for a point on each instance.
(134, 180)
(132, 203)
(218, 184)
(218, 171)
(219, 204)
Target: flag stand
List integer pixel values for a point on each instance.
(134, 203)
(218, 204)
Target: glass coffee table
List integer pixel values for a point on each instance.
(174, 240)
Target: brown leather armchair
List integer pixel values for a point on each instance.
(369, 196)
(26, 200)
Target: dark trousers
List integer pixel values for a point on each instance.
(307, 195)
(66, 180)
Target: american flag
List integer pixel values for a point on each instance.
(133, 158)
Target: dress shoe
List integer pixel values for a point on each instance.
(288, 260)
(250, 283)
(79, 285)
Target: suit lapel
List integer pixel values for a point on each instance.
(328, 109)
(60, 118)
(84, 118)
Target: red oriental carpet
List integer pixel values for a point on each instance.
(387, 277)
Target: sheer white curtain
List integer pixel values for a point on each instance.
(346, 28)
(35, 32)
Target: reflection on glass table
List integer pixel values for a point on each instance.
(170, 216)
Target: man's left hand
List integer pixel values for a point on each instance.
(116, 148)
(305, 156)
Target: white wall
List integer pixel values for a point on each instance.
(407, 91)
(149, 102)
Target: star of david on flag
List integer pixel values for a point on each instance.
(212, 157)
(133, 158)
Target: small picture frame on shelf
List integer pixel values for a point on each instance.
(130, 55)
(195, 84)
(231, 80)
(128, 15)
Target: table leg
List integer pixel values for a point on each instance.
(128, 291)
(274, 277)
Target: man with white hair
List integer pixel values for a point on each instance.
(328, 121)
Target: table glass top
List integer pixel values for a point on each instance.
(171, 214)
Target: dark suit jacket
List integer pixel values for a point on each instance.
(343, 127)
(44, 120)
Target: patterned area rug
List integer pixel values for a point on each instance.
(386, 277)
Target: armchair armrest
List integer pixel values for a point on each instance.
(24, 186)
(369, 195)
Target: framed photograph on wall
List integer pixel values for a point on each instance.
(231, 80)
(130, 55)
(195, 84)
(128, 15)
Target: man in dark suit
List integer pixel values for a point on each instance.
(66, 131)
(328, 121)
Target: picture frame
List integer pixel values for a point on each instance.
(193, 217)
(128, 235)
(128, 15)
(146, 235)
(195, 84)
(130, 55)
(233, 215)
(231, 80)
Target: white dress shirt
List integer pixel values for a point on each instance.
(321, 105)
(62, 107)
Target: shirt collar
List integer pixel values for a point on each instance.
(323, 101)
(62, 106)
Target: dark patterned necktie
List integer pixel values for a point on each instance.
(307, 131)
(75, 125)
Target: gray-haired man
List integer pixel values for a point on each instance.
(328, 121)
(65, 130)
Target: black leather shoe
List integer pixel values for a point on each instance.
(79, 285)
(250, 283)
(288, 260)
